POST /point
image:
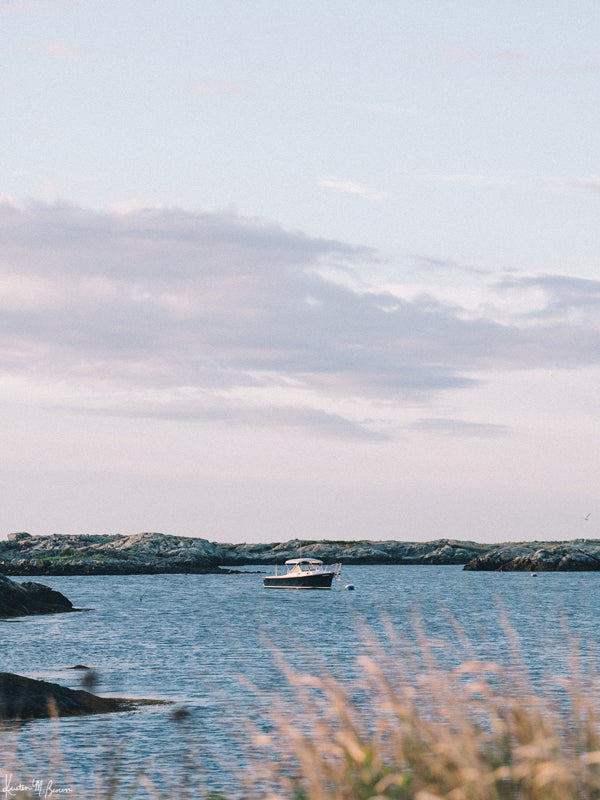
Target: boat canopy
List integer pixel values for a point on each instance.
(303, 561)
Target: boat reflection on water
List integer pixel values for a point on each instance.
(303, 573)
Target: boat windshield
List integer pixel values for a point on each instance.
(306, 566)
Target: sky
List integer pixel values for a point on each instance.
(288, 269)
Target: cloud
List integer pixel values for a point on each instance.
(60, 51)
(351, 187)
(592, 183)
(559, 300)
(458, 427)
(431, 264)
(314, 420)
(183, 314)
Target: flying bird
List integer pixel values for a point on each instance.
(587, 516)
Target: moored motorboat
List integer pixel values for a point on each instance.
(303, 573)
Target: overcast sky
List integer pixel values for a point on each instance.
(281, 269)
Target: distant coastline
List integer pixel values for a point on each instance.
(158, 553)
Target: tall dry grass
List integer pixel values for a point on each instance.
(412, 723)
(411, 727)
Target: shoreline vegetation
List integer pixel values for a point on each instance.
(418, 721)
(158, 553)
(442, 724)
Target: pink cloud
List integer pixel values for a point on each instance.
(61, 51)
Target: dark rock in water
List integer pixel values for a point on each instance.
(24, 698)
(23, 599)
(45, 596)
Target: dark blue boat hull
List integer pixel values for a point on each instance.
(321, 580)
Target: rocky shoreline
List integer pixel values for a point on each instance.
(158, 553)
(26, 698)
(26, 599)
(143, 553)
(580, 555)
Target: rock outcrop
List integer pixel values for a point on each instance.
(153, 553)
(143, 553)
(577, 556)
(441, 551)
(25, 698)
(24, 599)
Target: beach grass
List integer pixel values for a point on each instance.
(410, 723)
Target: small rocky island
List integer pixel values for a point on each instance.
(158, 553)
(25, 698)
(25, 599)
(581, 555)
(143, 553)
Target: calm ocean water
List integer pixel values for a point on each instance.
(193, 639)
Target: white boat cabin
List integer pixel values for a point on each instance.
(302, 565)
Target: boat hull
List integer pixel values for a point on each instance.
(320, 580)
